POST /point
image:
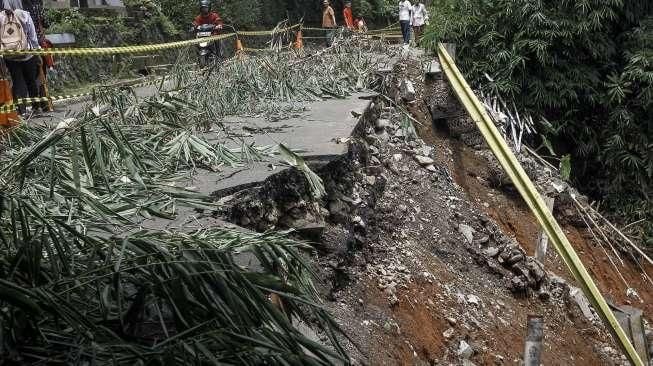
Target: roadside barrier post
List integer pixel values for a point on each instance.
(534, 337)
(8, 114)
(542, 238)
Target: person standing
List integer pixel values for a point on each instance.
(328, 22)
(405, 15)
(46, 68)
(420, 18)
(348, 15)
(17, 32)
(35, 10)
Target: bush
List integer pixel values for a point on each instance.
(585, 66)
(144, 25)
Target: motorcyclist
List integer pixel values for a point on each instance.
(207, 16)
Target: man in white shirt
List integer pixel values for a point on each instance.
(405, 15)
(420, 18)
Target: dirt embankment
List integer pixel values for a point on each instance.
(613, 273)
(425, 261)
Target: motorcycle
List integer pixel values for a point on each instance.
(209, 51)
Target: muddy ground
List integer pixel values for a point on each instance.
(423, 258)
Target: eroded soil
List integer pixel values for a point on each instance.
(425, 261)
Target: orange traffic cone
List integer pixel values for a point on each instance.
(239, 46)
(299, 42)
(8, 115)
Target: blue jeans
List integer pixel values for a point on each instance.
(405, 30)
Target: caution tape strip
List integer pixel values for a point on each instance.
(138, 49)
(389, 35)
(380, 31)
(535, 202)
(27, 101)
(61, 98)
(115, 50)
(388, 28)
(246, 49)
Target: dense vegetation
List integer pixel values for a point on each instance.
(586, 68)
(247, 14)
(146, 24)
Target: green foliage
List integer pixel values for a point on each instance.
(362, 8)
(144, 24)
(253, 14)
(179, 12)
(82, 283)
(585, 66)
(243, 12)
(565, 167)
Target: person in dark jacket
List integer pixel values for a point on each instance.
(24, 70)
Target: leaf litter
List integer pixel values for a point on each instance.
(81, 285)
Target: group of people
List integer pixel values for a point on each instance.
(413, 17)
(22, 28)
(329, 21)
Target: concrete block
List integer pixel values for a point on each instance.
(433, 68)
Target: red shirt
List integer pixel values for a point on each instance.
(349, 18)
(211, 18)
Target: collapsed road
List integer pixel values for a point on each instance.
(428, 251)
(423, 252)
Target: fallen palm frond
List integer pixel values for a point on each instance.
(177, 298)
(281, 37)
(513, 126)
(275, 83)
(250, 153)
(82, 285)
(296, 161)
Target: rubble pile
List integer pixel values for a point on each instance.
(283, 201)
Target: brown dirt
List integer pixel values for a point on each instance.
(416, 225)
(426, 241)
(422, 327)
(513, 216)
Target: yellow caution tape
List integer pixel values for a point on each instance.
(11, 107)
(62, 98)
(267, 32)
(388, 35)
(140, 48)
(317, 29)
(246, 49)
(116, 50)
(388, 28)
(535, 202)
